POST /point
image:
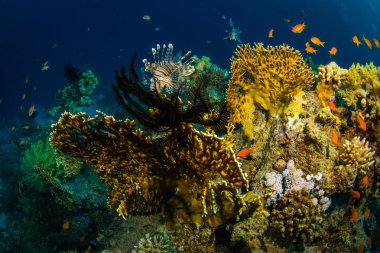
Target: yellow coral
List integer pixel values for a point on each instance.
(357, 155)
(268, 76)
(330, 77)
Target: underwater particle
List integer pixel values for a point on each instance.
(356, 40)
(147, 18)
(299, 28)
(45, 66)
(157, 29)
(23, 96)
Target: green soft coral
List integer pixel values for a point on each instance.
(77, 95)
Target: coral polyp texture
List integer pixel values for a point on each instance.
(270, 76)
(357, 155)
(143, 173)
(296, 217)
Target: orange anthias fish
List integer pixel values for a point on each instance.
(367, 212)
(365, 180)
(367, 42)
(335, 139)
(377, 43)
(66, 225)
(299, 28)
(333, 51)
(361, 122)
(31, 110)
(270, 34)
(332, 106)
(307, 44)
(244, 152)
(317, 41)
(355, 215)
(311, 50)
(361, 248)
(356, 40)
(355, 194)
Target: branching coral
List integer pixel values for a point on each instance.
(76, 95)
(144, 174)
(157, 243)
(357, 155)
(296, 217)
(331, 77)
(363, 83)
(270, 76)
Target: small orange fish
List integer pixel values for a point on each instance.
(299, 28)
(335, 139)
(355, 215)
(332, 106)
(356, 40)
(307, 44)
(367, 212)
(311, 50)
(377, 43)
(23, 96)
(361, 248)
(333, 51)
(31, 110)
(245, 152)
(25, 127)
(368, 42)
(270, 34)
(369, 243)
(147, 18)
(355, 194)
(365, 180)
(361, 122)
(66, 225)
(317, 41)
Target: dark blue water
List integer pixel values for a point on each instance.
(102, 35)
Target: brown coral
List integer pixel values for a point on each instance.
(357, 155)
(296, 217)
(145, 176)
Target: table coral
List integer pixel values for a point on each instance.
(268, 76)
(145, 175)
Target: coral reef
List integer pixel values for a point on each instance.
(76, 95)
(197, 163)
(296, 217)
(271, 77)
(357, 155)
(156, 243)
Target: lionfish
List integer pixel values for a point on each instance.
(167, 72)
